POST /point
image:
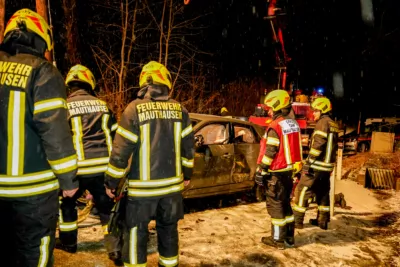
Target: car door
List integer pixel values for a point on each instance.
(213, 161)
(247, 147)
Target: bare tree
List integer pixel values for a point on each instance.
(72, 52)
(116, 67)
(2, 17)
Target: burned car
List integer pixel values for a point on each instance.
(226, 151)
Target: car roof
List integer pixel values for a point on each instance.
(211, 118)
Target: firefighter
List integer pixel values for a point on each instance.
(283, 150)
(37, 156)
(157, 132)
(315, 178)
(93, 126)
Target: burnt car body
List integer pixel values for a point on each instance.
(226, 151)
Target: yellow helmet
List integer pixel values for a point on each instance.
(297, 167)
(277, 100)
(323, 104)
(80, 73)
(157, 73)
(224, 109)
(33, 23)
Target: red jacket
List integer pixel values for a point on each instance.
(282, 147)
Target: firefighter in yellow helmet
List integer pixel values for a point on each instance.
(157, 132)
(315, 178)
(93, 126)
(283, 150)
(37, 156)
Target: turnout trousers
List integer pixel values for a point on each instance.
(316, 184)
(279, 188)
(167, 211)
(28, 230)
(69, 215)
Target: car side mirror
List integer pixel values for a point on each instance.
(199, 140)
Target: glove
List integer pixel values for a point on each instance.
(259, 177)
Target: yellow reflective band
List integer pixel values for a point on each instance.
(77, 137)
(299, 209)
(154, 183)
(315, 152)
(144, 152)
(265, 136)
(278, 222)
(321, 163)
(29, 190)
(177, 141)
(104, 127)
(329, 149)
(114, 127)
(27, 178)
(324, 208)
(64, 165)
(16, 133)
(320, 168)
(92, 162)
(321, 133)
(187, 162)
(264, 172)
(273, 141)
(302, 194)
(266, 160)
(132, 192)
(187, 131)
(286, 147)
(68, 226)
(168, 262)
(49, 104)
(127, 134)
(44, 251)
(133, 253)
(92, 170)
(289, 219)
(114, 171)
(135, 265)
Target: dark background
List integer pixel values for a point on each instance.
(322, 38)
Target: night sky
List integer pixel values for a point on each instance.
(323, 38)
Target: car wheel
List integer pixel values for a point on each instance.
(260, 193)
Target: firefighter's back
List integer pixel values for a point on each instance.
(159, 156)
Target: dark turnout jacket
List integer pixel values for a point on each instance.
(322, 155)
(157, 132)
(36, 150)
(93, 127)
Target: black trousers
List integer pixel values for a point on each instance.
(167, 211)
(316, 184)
(69, 215)
(279, 188)
(28, 230)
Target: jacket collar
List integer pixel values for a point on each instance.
(154, 92)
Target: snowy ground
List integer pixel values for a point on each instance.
(365, 233)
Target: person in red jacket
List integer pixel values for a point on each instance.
(283, 150)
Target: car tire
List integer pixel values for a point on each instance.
(259, 193)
